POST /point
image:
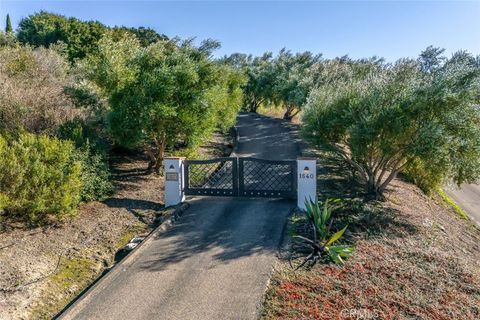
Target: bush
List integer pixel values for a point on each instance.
(39, 178)
(90, 152)
(32, 94)
(96, 178)
(426, 178)
(7, 39)
(412, 115)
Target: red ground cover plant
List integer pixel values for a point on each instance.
(413, 259)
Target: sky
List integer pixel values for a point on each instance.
(389, 29)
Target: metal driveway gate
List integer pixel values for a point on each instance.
(245, 177)
(214, 177)
(267, 178)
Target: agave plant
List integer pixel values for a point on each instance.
(322, 243)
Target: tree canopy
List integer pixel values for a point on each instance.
(384, 118)
(284, 80)
(80, 37)
(166, 95)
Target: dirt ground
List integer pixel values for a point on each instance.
(414, 258)
(42, 269)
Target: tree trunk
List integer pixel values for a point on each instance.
(291, 112)
(254, 107)
(374, 192)
(160, 153)
(152, 161)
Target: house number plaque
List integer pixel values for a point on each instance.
(171, 176)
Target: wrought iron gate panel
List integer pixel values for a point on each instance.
(217, 177)
(267, 178)
(245, 177)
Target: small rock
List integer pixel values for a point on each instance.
(137, 240)
(427, 223)
(130, 246)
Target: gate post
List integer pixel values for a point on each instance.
(174, 181)
(306, 181)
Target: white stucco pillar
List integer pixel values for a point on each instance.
(174, 184)
(306, 181)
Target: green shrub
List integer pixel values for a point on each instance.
(427, 178)
(449, 201)
(95, 176)
(39, 178)
(90, 152)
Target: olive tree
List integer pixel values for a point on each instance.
(259, 87)
(292, 81)
(284, 80)
(259, 72)
(390, 116)
(167, 95)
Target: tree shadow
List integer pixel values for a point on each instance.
(370, 220)
(365, 218)
(219, 231)
(133, 204)
(262, 137)
(145, 211)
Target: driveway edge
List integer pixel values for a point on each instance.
(283, 246)
(76, 303)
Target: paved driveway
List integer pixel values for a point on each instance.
(215, 262)
(468, 197)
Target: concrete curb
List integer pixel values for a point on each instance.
(73, 307)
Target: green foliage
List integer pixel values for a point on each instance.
(322, 241)
(283, 80)
(167, 95)
(90, 153)
(39, 178)
(8, 26)
(415, 115)
(292, 81)
(259, 73)
(45, 29)
(429, 179)
(449, 201)
(95, 175)
(145, 36)
(80, 37)
(7, 39)
(113, 67)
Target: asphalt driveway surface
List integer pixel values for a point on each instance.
(214, 262)
(468, 197)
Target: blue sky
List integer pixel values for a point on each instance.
(359, 29)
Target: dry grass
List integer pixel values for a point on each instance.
(32, 90)
(414, 259)
(278, 112)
